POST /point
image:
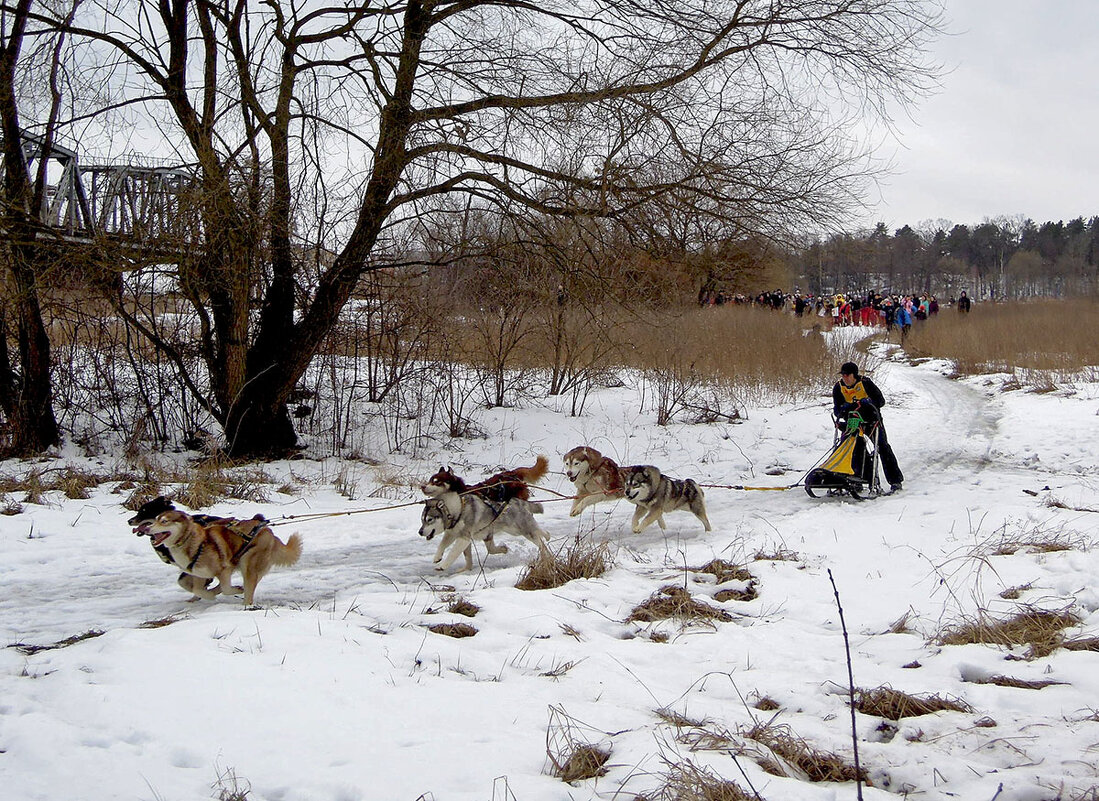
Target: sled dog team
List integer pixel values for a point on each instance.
(205, 548)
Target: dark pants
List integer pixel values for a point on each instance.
(889, 466)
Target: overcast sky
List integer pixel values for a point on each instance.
(1013, 129)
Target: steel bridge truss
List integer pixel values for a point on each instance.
(145, 206)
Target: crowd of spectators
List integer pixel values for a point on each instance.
(890, 310)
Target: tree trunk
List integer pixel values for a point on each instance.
(27, 392)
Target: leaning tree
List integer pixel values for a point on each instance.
(326, 136)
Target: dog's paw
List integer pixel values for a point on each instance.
(503, 549)
(637, 529)
(574, 513)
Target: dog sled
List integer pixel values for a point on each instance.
(851, 467)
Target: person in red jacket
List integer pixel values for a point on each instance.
(857, 392)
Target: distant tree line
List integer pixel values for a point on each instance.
(1003, 257)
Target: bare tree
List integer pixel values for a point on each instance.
(27, 252)
(344, 127)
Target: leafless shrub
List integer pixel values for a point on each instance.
(885, 702)
(581, 558)
(457, 630)
(817, 766)
(674, 602)
(1039, 629)
(572, 757)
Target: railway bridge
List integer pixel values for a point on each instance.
(140, 205)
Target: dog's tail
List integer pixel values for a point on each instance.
(534, 474)
(288, 553)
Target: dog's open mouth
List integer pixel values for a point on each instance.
(159, 536)
(143, 529)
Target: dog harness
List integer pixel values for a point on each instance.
(247, 530)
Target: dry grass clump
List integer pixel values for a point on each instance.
(724, 571)
(673, 602)
(1028, 340)
(457, 630)
(885, 702)
(572, 757)
(775, 555)
(765, 703)
(580, 559)
(160, 622)
(1016, 592)
(749, 593)
(1009, 681)
(817, 766)
(686, 781)
(1081, 644)
(1038, 628)
(460, 606)
(1039, 541)
(29, 650)
(584, 762)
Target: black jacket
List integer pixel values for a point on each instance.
(840, 403)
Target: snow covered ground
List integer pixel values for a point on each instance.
(335, 689)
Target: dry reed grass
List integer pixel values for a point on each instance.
(581, 558)
(1041, 344)
(675, 603)
(885, 702)
(1039, 629)
(740, 351)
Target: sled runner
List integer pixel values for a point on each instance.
(851, 467)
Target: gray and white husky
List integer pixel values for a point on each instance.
(655, 493)
(477, 519)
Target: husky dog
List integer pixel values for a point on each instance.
(219, 548)
(477, 519)
(499, 488)
(597, 477)
(654, 494)
(144, 518)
